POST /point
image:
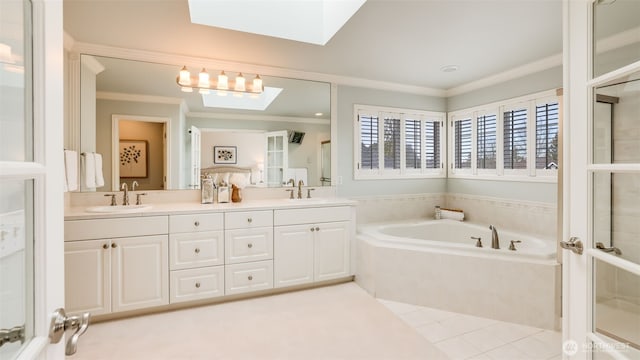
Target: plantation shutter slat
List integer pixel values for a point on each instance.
(392, 133)
(369, 142)
(432, 144)
(486, 141)
(462, 144)
(547, 136)
(515, 139)
(413, 144)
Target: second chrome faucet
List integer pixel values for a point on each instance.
(495, 241)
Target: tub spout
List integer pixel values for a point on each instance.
(495, 241)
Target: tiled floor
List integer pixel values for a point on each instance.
(462, 336)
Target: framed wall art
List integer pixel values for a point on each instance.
(225, 155)
(133, 158)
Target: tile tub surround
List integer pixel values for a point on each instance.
(523, 292)
(373, 209)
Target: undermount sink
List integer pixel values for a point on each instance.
(309, 200)
(118, 208)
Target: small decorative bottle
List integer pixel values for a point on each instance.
(235, 194)
(207, 190)
(438, 215)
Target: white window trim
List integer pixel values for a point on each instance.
(403, 172)
(531, 174)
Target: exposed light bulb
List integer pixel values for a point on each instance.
(223, 81)
(203, 79)
(185, 77)
(257, 85)
(240, 83)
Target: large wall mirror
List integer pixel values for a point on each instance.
(148, 130)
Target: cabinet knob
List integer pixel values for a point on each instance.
(197, 250)
(105, 246)
(312, 229)
(249, 245)
(197, 223)
(317, 228)
(114, 245)
(250, 277)
(198, 285)
(249, 220)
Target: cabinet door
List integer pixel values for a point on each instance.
(244, 245)
(87, 276)
(139, 272)
(331, 250)
(293, 255)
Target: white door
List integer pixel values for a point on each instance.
(276, 158)
(601, 286)
(31, 180)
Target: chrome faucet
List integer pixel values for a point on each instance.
(300, 184)
(292, 182)
(125, 197)
(495, 242)
(134, 184)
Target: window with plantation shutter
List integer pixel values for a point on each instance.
(397, 143)
(432, 130)
(413, 144)
(462, 144)
(392, 133)
(515, 139)
(368, 142)
(486, 141)
(547, 136)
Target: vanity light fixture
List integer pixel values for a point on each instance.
(203, 83)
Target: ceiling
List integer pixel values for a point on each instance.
(396, 41)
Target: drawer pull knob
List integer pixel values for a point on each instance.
(114, 245)
(197, 223)
(312, 229)
(105, 246)
(198, 285)
(317, 228)
(250, 277)
(197, 250)
(249, 245)
(249, 220)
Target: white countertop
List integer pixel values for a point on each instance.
(81, 213)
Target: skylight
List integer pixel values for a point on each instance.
(310, 21)
(245, 102)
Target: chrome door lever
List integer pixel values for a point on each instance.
(600, 246)
(60, 323)
(574, 244)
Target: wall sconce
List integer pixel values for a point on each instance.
(203, 83)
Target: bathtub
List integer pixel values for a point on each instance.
(457, 236)
(435, 263)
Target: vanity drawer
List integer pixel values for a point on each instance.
(195, 222)
(248, 245)
(248, 219)
(240, 278)
(311, 215)
(195, 284)
(189, 250)
(114, 228)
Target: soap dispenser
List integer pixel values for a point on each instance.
(207, 189)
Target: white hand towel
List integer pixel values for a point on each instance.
(71, 170)
(99, 176)
(89, 170)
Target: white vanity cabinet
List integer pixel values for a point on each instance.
(248, 251)
(308, 251)
(196, 260)
(114, 265)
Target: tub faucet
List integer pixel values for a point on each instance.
(495, 242)
(300, 184)
(125, 196)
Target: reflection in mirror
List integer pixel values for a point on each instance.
(616, 35)
(198, 134)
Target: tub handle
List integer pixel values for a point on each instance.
(478, 242)
(512, 246)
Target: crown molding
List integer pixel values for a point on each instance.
(106, 95)
(248, 117)
(68, 41)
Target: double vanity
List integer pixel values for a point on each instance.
(152, 258)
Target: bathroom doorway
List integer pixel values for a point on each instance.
(139, 152)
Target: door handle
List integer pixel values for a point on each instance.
(60, 323)
(613, 249)
(574, 244)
